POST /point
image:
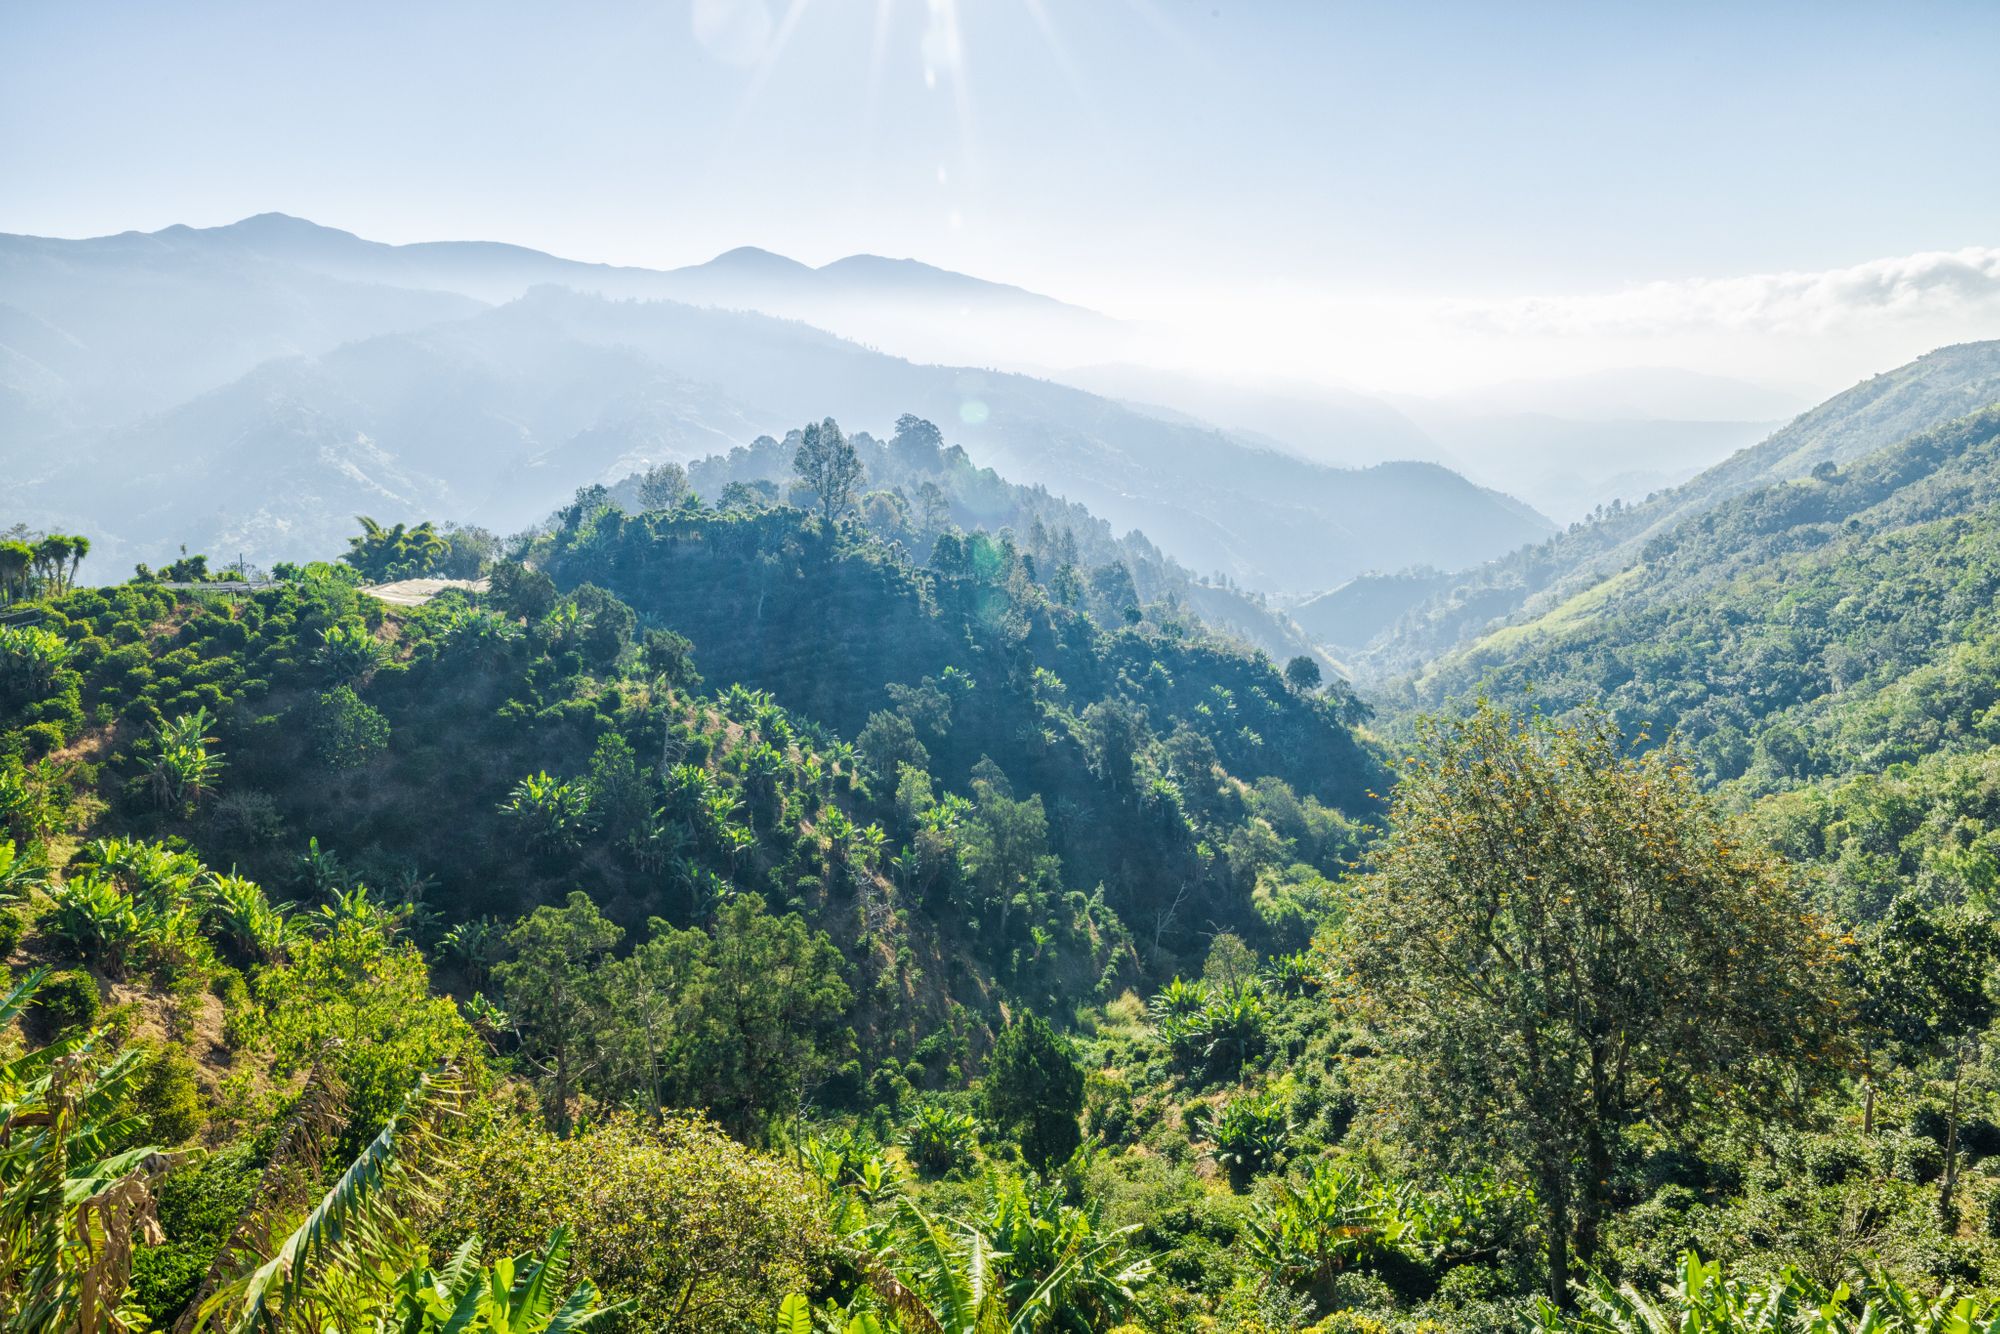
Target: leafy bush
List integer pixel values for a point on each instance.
(701, 1233)
(169, 1097)
(552, 814)
(347, 732)
(69, 1000)
(1702, 1298)
(1250, 1135)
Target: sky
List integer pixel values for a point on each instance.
(1404, 196)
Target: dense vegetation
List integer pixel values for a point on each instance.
(1938, 387)
(833, 889)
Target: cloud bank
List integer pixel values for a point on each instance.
(1925, 285)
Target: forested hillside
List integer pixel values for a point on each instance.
(1934, 389)
(918, 488)
(833, 888)
(1837, 624)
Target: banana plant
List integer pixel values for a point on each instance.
(1702, 1300)
(70, 1210)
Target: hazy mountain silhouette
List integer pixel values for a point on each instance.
(275, 348)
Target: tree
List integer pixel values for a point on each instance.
(356, 996)
(917, 443)
(79, 547)
(1926, 986)
(553, 986)
(828, 466)
(1565, 940)
(1034, 1088)
(52, 557)
(663, 486)
(740, 1022)
(604, 625)
(1012, 866)
(889, 742)
(669, 658)
(1302, 674)
(697, 1231)
(17, 564)
(520, 591)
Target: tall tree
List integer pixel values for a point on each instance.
(1034, 1088)
(17, 563)
(827, 464)
(663, 486)
(1565, 940)
(553, 987)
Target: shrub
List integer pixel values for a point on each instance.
(939, 1140)
(347, 732)
(69, 1000)
(198, 1207)
(169, 1097)
(1249, 1135)
(699, 1232)
(11, 928)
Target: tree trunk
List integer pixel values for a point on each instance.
(1558, 1238)
(1596, 1186)
(1867, 1104)
(562, 1093)
(1951, 1128)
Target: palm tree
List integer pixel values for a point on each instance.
(17, 562)
(79, 547)
(51, 558)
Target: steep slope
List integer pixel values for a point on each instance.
(1353, 614)
(1933, 389)
(1836, 624)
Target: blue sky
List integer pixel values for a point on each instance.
(1147, 156)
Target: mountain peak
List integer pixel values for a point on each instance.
(750, 259)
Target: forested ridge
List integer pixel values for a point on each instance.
(829, 888)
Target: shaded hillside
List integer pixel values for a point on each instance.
(1353, 614)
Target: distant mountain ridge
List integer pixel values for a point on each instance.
(243, 367)
(897, 303)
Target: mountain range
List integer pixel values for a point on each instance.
(248, 389)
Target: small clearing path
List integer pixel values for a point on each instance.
(416, 592)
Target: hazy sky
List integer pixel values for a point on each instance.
(1394, 194)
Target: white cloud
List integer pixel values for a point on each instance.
(1925, 285)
